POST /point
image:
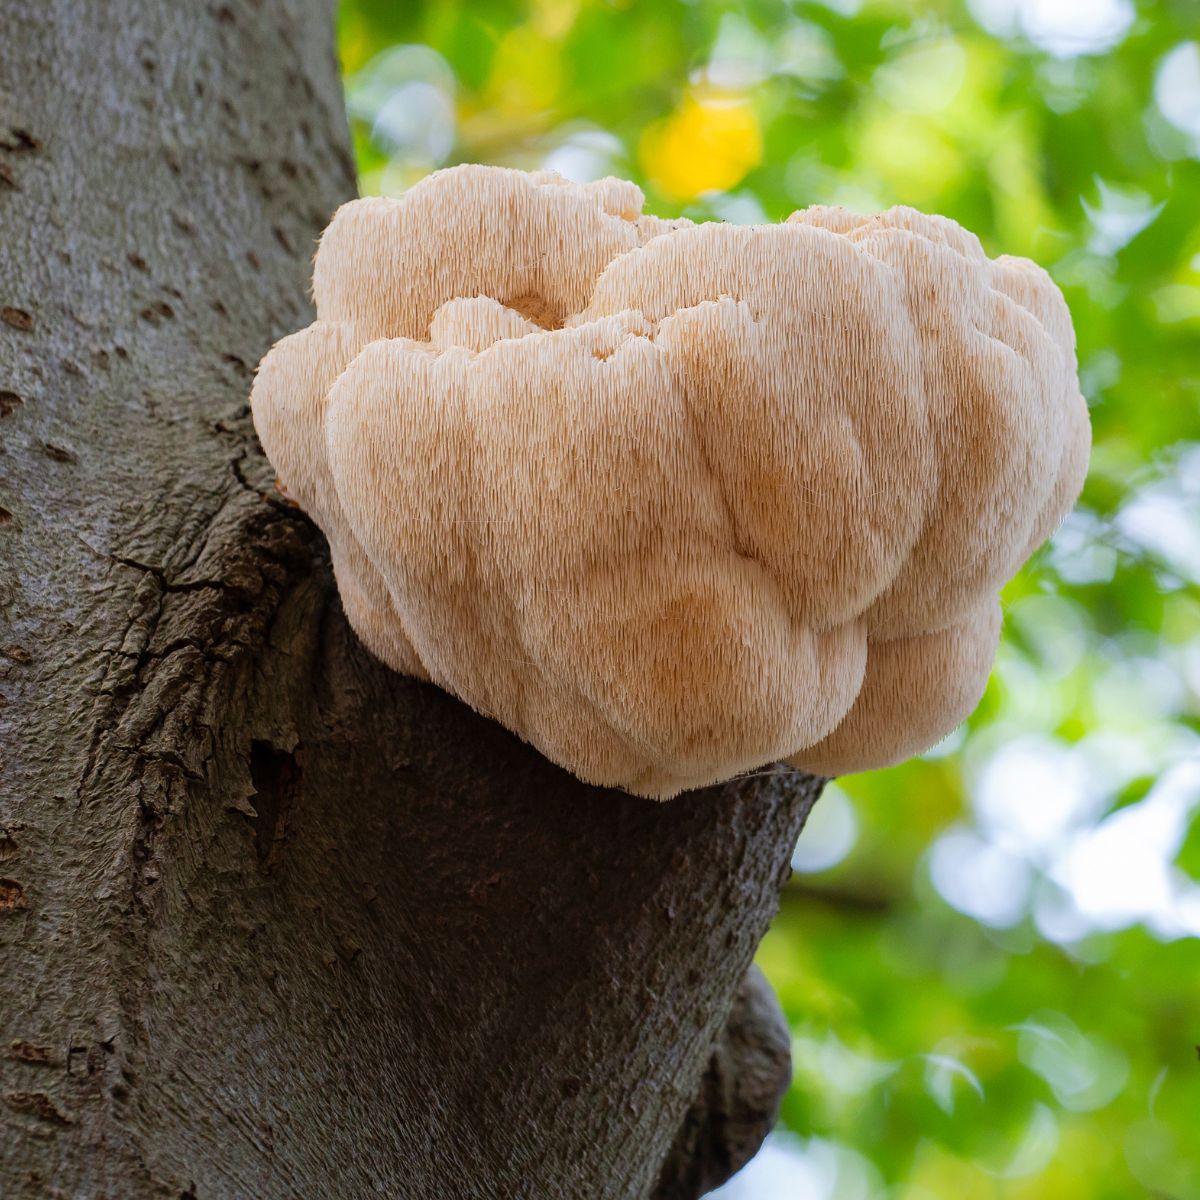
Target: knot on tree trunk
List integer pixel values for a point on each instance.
(740, 1093)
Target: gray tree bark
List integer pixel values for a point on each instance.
(274, 921)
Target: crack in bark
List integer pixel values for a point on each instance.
(167, 586)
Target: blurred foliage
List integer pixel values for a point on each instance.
(989, 955)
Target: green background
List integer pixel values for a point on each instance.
(989, 956)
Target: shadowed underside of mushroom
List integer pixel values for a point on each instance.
(675, 501)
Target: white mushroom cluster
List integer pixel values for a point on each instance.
(671, 501)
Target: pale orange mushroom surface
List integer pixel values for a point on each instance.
(671, 501)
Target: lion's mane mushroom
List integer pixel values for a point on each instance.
(675, 501)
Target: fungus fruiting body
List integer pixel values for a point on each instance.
(675, 501)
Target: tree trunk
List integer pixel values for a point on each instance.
(276, 921)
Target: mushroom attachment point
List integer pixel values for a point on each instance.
(674, 501)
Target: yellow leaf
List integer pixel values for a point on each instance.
(707, 144)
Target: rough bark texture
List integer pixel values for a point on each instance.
(274, 920)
